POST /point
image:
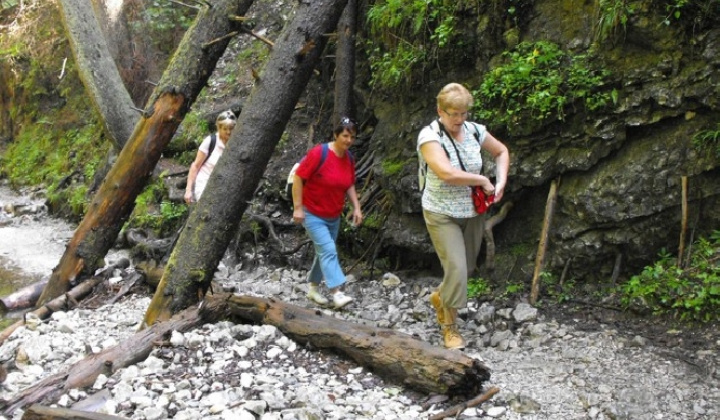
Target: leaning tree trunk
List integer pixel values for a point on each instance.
(345, 63)
(186, 75)
(98, 71)
(212, 224)
(101, 78)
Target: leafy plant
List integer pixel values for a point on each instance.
(154, 211)
(477, 287)
(708, 141)
(537, 82)
(405, 36)
(560, 292)
(691, 293)
(612, 14)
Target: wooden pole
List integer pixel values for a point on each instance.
(542, 246)
(683, 228)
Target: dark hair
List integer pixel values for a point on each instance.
(345, 123)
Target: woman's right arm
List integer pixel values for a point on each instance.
(297, 196)
(192, 175)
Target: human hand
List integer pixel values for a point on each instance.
(298, 216)
(188, 197)
(357, 217)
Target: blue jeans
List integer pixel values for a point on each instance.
(323, 233)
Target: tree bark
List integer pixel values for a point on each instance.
(23, 298)
(132, 350)
(212, 224)
(98, 71)
(345, 63)
(395, 356)
(183, 80)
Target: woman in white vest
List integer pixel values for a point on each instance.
(450, 147)
(206, 159)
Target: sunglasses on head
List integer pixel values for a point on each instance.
(227, 115)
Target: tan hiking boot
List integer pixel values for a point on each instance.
(452, 337)
(436, 302)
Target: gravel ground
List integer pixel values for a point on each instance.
(552, 363)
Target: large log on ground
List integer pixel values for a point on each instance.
(39, 412)
(214, 220)
(392, 355)
(186, 75)
(132, 350)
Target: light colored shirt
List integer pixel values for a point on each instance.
(438, 196)
(207, 167)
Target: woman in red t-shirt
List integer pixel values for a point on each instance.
(320, 185)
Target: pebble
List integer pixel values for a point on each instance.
(544, 369)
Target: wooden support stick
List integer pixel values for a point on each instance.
(454, 411)
(542, 246)
(683, 228)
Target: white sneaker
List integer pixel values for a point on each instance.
(340, 299)
(316, 296)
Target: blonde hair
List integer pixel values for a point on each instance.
(454, 95)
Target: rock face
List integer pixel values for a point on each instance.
(619, 170)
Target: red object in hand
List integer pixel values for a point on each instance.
(481, 200)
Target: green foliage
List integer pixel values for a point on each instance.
(560, 292)
(612, 14)
(63, 161)
(405, 36)
(184, 144)
(164, 23)
(691, 14)
(514, 289)
(154, 211)
(391, 168)
(477, 287)
(691, 293)
(538, 82)
(708, 141)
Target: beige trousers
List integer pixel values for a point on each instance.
(457, 243)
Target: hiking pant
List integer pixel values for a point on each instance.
(457, 242)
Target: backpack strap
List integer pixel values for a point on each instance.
(213, 140)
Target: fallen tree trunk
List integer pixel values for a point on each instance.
(39, 412)
(132, 350)
(392, 355)
(23, 298)
(186, 75)
(63, 302)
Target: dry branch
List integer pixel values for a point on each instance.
(132, 350)
(57, 304)
(454, 411)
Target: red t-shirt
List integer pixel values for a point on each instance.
(324, 189)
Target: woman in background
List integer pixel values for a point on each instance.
(321, 182)
(206, 159)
